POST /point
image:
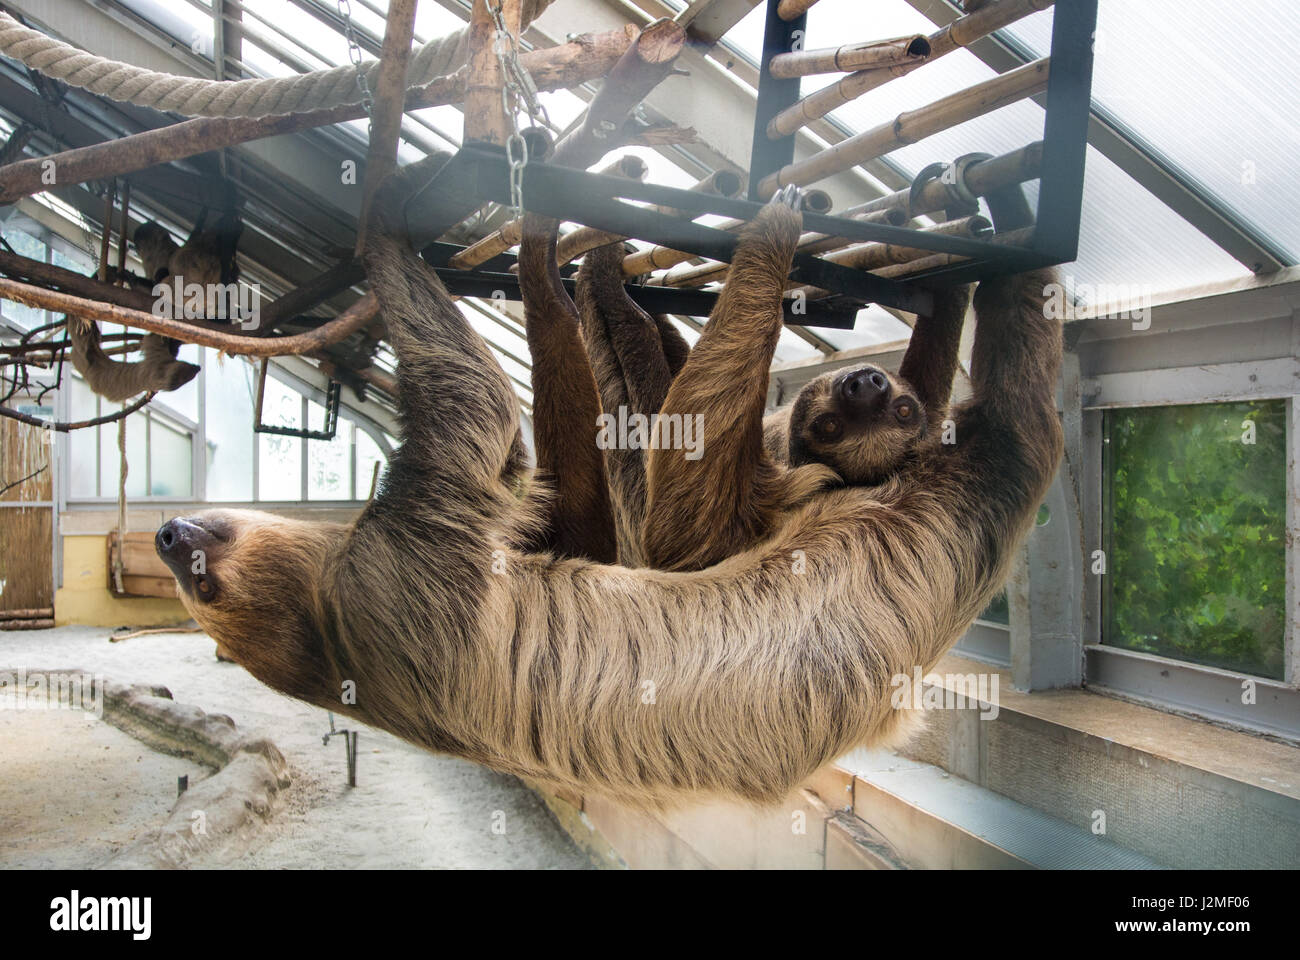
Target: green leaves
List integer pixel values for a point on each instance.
(1196, 533)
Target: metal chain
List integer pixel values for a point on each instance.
(517, 88)
(354, 54)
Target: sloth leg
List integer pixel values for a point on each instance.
(723, 495)
(627, 351)
(931, 359)
(566, 405)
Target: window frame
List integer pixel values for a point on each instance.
(1198, 689)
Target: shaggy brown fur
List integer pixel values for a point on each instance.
(566, 406)
(117, 380)
(634, 358)
(645, 686)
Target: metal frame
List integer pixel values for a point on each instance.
(479, 173)
(1139, 159)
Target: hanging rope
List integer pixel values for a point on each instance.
(121, 507)
(194, 97)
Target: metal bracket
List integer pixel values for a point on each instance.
(333, 401)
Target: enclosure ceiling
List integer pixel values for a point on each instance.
(1171, 75)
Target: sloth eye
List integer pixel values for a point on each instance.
(205, 588)
(827, 428)
(904, 410)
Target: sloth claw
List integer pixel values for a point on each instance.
(790, 196)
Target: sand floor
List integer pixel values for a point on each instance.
(409, 809)
(75, 791)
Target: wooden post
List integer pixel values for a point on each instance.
(961, 32)
(389, 101)
(914, 125)
(486, 120)
(554, 68)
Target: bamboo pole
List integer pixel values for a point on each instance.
(960, 33)
(554, 68)
(873, 256)
(510, 233)
(914, 125)
(808, 243)
(793, 9)
(574, 244)
(389, 101)
(344, 325)
(485, 106)
(659, 258)
(852, 56)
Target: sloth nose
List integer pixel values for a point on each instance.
(864, 389)
(175, 537)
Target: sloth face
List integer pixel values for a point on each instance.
(862, 422)
(253, 583)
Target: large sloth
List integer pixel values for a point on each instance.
(738, 680)
(863, 423)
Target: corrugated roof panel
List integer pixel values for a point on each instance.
(1213, 88)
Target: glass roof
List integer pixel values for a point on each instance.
(1211, 93)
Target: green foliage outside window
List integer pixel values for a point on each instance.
(1196, 554)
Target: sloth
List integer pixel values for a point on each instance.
(863, 423)
(648, 687)
(207, 257)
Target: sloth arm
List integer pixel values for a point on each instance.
(703, 510)
(930, 362)
(566, 405)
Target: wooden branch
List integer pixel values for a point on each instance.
(914, 125)
(793, 9)
(963, 31)
(647, 62)
(389, 101)
(851, 56)
(485, 111)
(345, 324)
(554, 68)
(63, 427)
(319, 288)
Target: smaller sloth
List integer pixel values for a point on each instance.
(856, 427)
(207, 256)
(116, 380)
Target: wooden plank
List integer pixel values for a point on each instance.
(143, 572)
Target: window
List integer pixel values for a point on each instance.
(1195, 533)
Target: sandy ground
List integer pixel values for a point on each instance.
(410, 808)
(75, 791)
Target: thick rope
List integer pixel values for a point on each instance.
(194, 97)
